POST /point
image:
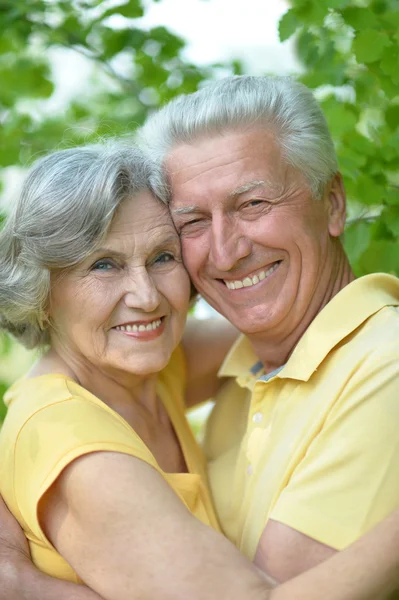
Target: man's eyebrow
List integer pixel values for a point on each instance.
(186, 210)
(247, 187)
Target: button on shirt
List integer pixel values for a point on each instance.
(315, 444)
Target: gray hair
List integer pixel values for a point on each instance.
(279, 103)
(65, 209)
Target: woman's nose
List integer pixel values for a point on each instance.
(141, 292)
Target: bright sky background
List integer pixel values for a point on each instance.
(220, 29)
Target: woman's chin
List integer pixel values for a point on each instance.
(144, 366)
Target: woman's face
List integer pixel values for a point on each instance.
(123, 309)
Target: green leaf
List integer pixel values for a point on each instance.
(369, 45)
(312, 12)
(315, 77)
(390, 20)
(3, 409)
(131, 10)
(392, 196)
(362, 145)
(166, 39)
(360, 18)
(341, 117)
(390, 63)
(356, 240)
(115, 41)
(381, 255)
(368, 191)
(392, 116)
(288, 24)
(390, 216)
(338, 4)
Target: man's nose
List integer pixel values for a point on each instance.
(228, 244)
(141, 291)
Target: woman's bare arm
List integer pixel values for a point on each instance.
(205, 343)
(129, 537)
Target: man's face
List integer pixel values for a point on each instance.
(257, 245)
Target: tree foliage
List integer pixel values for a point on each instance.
(135, 70)
(349, 52)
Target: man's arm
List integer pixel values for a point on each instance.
(205, 343)
(34, 585)
(367, 570)
(285, 553)
(19, 579)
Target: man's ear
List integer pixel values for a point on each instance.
(335, 198)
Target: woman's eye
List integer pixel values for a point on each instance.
(165, 257)
(103, 265)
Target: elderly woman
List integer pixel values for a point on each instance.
(98, 463)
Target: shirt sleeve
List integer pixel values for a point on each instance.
(348, 480)
(54, 437)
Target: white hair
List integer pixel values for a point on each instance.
(280, 104)
(64, 211)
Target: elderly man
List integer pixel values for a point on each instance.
(302, 443)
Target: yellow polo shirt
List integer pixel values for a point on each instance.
(314, 445)
(52, 420)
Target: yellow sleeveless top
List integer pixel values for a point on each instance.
(52, 420)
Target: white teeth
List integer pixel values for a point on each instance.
(149, 327)
(250, 281)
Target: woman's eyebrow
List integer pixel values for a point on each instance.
(105, 250)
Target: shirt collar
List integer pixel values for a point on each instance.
(353, 305)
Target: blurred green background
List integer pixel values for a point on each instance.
(347, 51)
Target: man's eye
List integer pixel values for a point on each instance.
(253, 203)
(192, 222)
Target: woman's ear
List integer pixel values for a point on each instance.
(335, 197)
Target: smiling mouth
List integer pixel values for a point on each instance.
(253, 280)
(135, 328)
